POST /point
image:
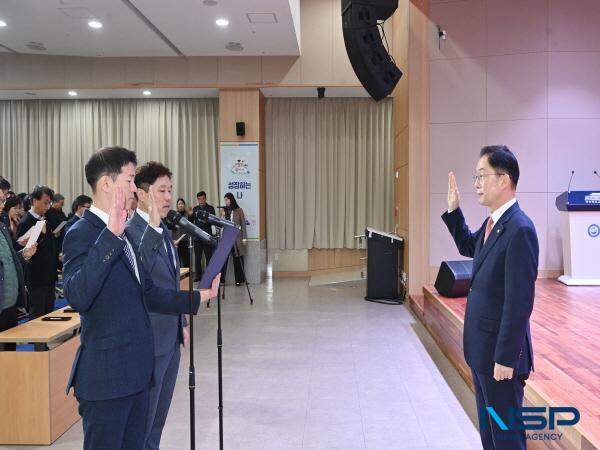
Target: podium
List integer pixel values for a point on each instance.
(385, 267)
(580, 229)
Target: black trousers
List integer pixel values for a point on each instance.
(8, 320)
(41, 300)
(118, 423)
(238, 269)
(201, 249)
(503, 396)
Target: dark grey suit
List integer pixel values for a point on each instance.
(167, 329)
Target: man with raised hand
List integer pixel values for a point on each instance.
(104, 281)
(497, 340)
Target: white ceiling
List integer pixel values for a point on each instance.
(149, 27)
(62, 94)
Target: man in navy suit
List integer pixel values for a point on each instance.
(104, 281)
(497, 340)
(168, 329)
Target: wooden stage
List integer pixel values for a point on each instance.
(565, 328)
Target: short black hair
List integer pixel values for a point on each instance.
(58, 197)
(79, 201)
(146, 175)
(4, 184)
(502, 160)
(107, 161)
(27, 202)
(201, 194)
(38, 192)
(180, 200)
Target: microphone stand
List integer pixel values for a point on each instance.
(192, 370)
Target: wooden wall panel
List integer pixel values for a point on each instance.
(21, 398)
(239, 105)
(331, 259)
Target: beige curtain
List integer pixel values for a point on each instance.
(48, 142)
(329, 171)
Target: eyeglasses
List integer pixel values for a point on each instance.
(479, 178)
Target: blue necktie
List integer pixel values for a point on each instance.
(169, 247)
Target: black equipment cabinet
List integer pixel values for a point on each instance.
(385, 267)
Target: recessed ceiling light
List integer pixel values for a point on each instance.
(147, 93)
(73, 93)
(222, 22)
(95, 24)
(2, 23)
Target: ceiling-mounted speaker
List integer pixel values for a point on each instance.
(370, 59)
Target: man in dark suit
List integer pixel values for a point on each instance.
(80, 205)
(168, 330)
(41, 274)
(113, 368)
(200, 247)
(497, 340)
(55, 216)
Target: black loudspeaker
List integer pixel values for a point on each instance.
(454, 278)
(370, 60)
(240, 128)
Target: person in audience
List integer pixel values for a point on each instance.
(13, 294)
(505, 252)
(170, 331)
(27, 203)
(55, 216)
(80, 205)
(233, 212)
(4, 189)
(42, 273)
(112, 290)
(202, 248)
(180, 237)
(13, 207)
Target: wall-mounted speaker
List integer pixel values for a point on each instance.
(240, 128)
(370, 59)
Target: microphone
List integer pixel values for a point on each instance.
(177, 219)
(596, 173)
(222, 207)
(217, 221)
(570, 179)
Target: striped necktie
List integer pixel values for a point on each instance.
(128, 252)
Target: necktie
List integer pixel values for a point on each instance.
(169, 247)
(128, 252)
(488, 229)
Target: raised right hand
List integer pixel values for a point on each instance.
(453, 194)
(118, 213)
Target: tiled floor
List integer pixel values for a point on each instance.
(317, 368)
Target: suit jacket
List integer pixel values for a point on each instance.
(19, 263)
(167, 328)
(74, 218)
(502, 291)
(238, 217)
(116, 355)
(55, 218)
(43, 265)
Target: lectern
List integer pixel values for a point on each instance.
(385, 267)
(580, 229)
